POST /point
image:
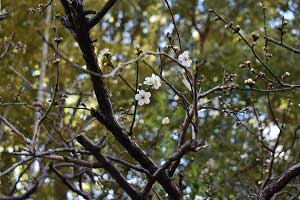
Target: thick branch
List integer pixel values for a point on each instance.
(77, 25)
(70, 185)
(136, 152)
(190, 145)
(108, 5)
(108, 166)
(281, 182)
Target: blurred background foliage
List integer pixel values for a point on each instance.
(231, 164)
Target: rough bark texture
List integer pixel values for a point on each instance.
(79, 26)
(280, 182)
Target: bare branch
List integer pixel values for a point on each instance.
(27, 194)
(107, 6)
(70, 185)
(16, 131)
(297, 51)
(120, 179)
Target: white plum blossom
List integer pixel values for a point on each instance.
(199, 197)
(185, 59)
(143, 97)
(165, 121)
(271, 132)
(153, 81)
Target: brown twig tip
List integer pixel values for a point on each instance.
(84, 141)
(99, 15)
(15, 130)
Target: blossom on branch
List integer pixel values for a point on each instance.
(165, 121)
(199, 197)
(185, 59)
(153, 81)
(249, 82)
(143, 97)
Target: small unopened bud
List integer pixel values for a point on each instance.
(268, 55)
(255, 36)
(169, 36)
(56, 61)
(249, 82)
(237, 29)
(270, 85)
(285, 75)
(165, 121)
(216, 18)
(242, 65)
(58, 39)
(248, 62)
(169, 46)
(283, 32)
(261, 74)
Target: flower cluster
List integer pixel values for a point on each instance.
(153, 81)
(142, 96)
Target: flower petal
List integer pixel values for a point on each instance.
(141, 102)
(147, 101)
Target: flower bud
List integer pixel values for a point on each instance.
(249, 82)
(165, 121)
(255, 36)
(56, 61)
